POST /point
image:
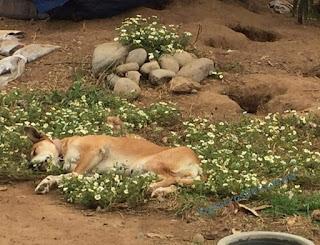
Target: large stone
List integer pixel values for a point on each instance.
(148, 67)
(182, 85)
(169, 63)
(183, 57)
(160, 76)
(138, 55)
(112, 79)
(122, 69)
(108, 55)
(197, 70)
(127, 88)
(134, 76)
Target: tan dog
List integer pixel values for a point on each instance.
(98, 153)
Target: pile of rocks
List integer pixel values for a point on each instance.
(183, 71)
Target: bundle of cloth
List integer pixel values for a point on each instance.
(16, 54)
(281, 6)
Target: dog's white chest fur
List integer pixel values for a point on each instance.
(70, 159)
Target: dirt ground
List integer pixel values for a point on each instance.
(260, 77)
(30, 219)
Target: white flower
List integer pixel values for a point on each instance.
(151, 56)
(97, 197)
(117, 179)
(116, 39)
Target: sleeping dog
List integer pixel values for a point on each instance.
(98, 153)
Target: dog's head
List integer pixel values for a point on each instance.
(44, 150)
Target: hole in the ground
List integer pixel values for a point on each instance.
(256, 34)
(251, 103)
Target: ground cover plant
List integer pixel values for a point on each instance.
(155, 38)
(235, 156)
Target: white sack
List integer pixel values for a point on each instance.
(11, 68)
(8, 47)
(35, 51)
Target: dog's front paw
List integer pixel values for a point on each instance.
(45, 185)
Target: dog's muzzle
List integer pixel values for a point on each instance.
(39, 166)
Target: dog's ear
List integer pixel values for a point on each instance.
(33, 134)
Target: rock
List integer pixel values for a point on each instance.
(160, 76)
(112, 79)
(148, 67)
(198, 239)
(183, 85)
(169, 63)
(315, 215)
(134, 76)
(197, 70)
(138, 55)
(122, 69)
(127, 88)
(183, 57)
(108, 55)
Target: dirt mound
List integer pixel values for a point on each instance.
(209, 103)
(225, 38)
(264, 93)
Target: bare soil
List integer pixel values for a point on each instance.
(29, 219)
(264, 57)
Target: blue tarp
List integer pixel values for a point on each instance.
(89, 9)
(44, 6)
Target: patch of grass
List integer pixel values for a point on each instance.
(81, 110)
(251, 152)
(107, 189)
(235, 156)
(301, 204)
(165, 114)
